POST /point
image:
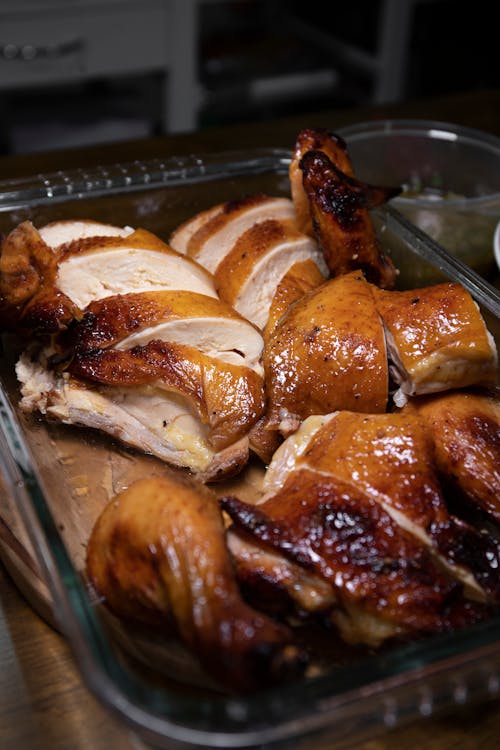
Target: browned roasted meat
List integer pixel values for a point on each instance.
(144, 349)
(157, 555)
(249, 246)
(301, 278)
(93, 268)
(339, 208)
(465, 430)
(174, 373)
(259, 261)
(25, 262)
(36, 292)
(327, 352)
(335, 148)
(389, 458)
(436, 338)
(384, 580)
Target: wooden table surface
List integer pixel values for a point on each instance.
(43, 702)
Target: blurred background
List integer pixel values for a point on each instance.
(81, 72)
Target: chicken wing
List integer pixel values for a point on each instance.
(335, 148)
(157, 555)
(343, 228)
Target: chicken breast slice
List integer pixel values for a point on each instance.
(146, 418)
(58, 233)
(215, 238)
(205, 323)
(180, 237)
(96, 274)
(248, 276)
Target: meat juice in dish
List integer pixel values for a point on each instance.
(270, 326)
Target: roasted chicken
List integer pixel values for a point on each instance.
(335, 148)
(250, 246)
(157, 555)
(332, 205)
(354, 500)
(146, 351)
(465, 430)
(437, 339)
(327, 352)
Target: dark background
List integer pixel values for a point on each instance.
(262, 60)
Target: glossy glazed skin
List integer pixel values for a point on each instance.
(389, 457)
(157, 555)
(465, 430)
(26, 261)
(301, 278)
(346, 538)
(342, 226)
(108, 321)
(335, 148)
(228, 397)
(327, 352)
(438, 337)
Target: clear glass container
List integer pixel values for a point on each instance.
(450, 177)
(55, 479)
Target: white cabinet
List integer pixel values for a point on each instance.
(59, 41)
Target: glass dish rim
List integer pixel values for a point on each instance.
(71, 600)
(438, 130)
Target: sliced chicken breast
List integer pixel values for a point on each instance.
(145, 417)
(58, 233)
(133, 320)
(248, 276)
(211, 242)
(139, 262)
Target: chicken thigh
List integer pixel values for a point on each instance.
(157, 555)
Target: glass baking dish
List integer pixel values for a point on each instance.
(48, 468)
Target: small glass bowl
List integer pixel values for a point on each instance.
(450, 177)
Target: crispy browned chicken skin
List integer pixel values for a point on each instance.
(157, 555)
(465, 430)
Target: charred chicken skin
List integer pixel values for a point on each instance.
(354, 500)
(389, 457)
(343, 228)
(465, 432)
(348, 540)
(157, 555)
(335, 148)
